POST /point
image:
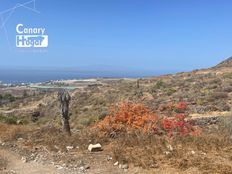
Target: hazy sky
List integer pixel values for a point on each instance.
(134, 34)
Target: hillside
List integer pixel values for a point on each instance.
(205, 93)
(225, 64)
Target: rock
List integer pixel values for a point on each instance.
(123, 166)
(19, 122)
(69, 148)
(167, 153)
(116, 163)
(94, 147)
(169, 147)
(193, 152)
(109, 158)
(24, 159)
(154, 166)
(20, 139)
(203, 153)
(59, 167)
(12, 172)
(84, 168)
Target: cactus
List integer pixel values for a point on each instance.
(64, 98)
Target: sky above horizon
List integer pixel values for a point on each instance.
(152, 35)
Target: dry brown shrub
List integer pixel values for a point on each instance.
(146, 151)
(13, 132)
(54, 139)
(51, 137)
(140, 149)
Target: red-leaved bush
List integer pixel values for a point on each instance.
(128, 116)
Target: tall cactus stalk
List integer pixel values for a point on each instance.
(64, 98)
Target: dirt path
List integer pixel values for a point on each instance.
(15, 165)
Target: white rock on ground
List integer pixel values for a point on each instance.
(95, 147)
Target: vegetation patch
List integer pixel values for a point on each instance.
(128, 116)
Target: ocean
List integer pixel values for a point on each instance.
(15, 76)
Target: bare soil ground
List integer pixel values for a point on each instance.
(16, 165)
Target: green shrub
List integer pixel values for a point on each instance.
(8, 119)
(88, 121)
(160, 84)
(8, 97)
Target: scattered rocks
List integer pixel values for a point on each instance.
(95, 147)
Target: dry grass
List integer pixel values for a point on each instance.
(3, 161)
(204, 152)
(54, 139)
(13, 132)
(226, 124)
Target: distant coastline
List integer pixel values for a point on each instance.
(17, 76)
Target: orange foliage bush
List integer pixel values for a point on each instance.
(128, 116)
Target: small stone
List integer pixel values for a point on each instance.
(109, 158)
(24, 159)
(167, 153)
(116, 163)
(154, 166)
(203, 153)
(69, 148)
(169, 147)
(60, 167)
(125, 166)
(84, 168)
(94, 147)
(20, 139)
(19, 122)
(193, 152)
